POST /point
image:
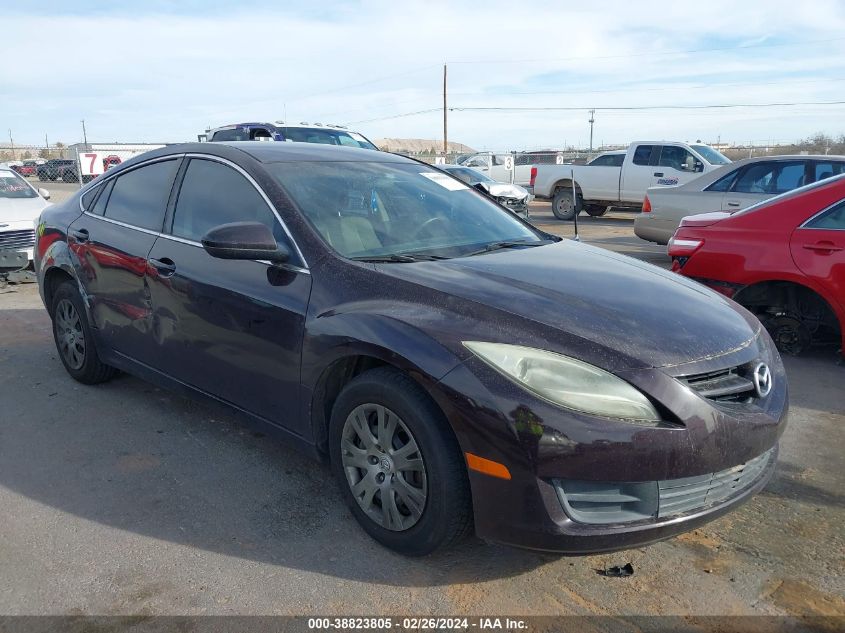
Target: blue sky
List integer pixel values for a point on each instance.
(163, 71)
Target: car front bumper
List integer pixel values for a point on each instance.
(544, 446)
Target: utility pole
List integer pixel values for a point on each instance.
(592, 120)
(12, 143)
(84, 134)
(445, 133)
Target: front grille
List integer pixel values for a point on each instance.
(17, 240)
(691, 493)
(724, 385)
(604, 503)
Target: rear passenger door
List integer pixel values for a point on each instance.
(230, 328)
(111, 241)
(759, 181)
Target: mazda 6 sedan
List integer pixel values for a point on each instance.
(459, 369)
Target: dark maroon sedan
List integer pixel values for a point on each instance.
(458, 367)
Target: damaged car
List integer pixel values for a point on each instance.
(459, 369)
(513, 197)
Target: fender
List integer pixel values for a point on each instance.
(392, 336)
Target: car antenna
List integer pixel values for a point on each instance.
(574, 204)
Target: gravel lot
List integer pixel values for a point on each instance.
(125, 499)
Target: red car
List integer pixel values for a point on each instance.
(783, 259)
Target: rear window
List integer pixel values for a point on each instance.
(642, 155)
(236, 134)
(13, 186)
(326, 137)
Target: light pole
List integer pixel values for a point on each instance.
(84, 134)
(592, 120)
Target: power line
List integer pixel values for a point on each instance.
(602, 108)
(398, 116)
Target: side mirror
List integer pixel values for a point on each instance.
(699, 166)
(244, 240)
(43, 193)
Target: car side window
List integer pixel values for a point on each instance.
(88, 197)
(677, 158)
(642, 154)
(826, 169)
(601, 161)
(724, 183)
(100, 205)
(832, 219)
(213, 194)
(139, 197)
(790, 176)
(755, 179)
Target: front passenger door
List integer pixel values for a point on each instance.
(230, 328)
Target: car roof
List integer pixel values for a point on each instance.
(274, 153)
(281, 124)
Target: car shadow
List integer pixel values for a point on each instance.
(133, 457)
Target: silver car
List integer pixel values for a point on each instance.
(513, 197)
(729, 188)
(20, 206)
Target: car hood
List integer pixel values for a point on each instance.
(506, 190)
(21, 209)
(604, 306)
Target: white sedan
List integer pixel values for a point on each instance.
(730, 188)
(20, 207)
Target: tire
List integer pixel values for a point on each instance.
(435, 484)
(74, 341)
(563, 206)
(595, 210)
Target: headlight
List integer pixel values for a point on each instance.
(568, 382)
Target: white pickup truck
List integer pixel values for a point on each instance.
(597, 187)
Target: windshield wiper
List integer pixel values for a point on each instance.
(398, 257)
(497, 246)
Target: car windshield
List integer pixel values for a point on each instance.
(380, 209)
(469, 176)
(327, 137)
(13, 186)
(711, 155)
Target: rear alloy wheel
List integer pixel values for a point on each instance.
(564, 204)
(398, 464)
(73, 338)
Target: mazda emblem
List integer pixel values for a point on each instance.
(762, 380)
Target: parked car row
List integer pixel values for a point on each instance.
(730, 188)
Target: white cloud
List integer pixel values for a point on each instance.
(167, 76)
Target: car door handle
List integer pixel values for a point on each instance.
(164, 266)
(659, 174)
(822, 247)
(80, 235)
(733, 204)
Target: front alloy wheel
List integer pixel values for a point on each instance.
(398, 463)
(384, 467)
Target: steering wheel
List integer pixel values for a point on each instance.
(425, 225)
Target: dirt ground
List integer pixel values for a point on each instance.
(125, 499)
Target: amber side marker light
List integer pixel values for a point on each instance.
(487, 466)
